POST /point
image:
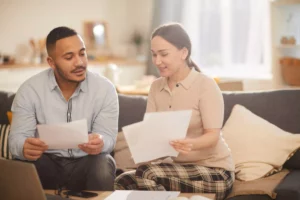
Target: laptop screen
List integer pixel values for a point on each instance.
(20, 180)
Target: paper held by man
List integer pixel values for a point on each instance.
(149, 139)
(64, 135)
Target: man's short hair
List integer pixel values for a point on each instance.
(57, 34)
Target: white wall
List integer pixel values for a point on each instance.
(21, 20)
(140, 18)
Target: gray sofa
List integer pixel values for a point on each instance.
(281, 108)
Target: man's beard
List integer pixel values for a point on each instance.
(64, 77)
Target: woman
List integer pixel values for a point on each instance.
(204, 163)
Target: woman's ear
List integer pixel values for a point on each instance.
(185, 53)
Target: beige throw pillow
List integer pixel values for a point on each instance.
(258, 147)
(122, 154)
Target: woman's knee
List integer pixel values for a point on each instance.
(146, 171)
(223, 189)
(153, 171)
(126, 181)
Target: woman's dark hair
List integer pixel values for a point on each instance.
(175, 34)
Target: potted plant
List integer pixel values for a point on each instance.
(137, 40)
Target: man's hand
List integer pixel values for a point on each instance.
(33, 148)
(94, 146)
(182, 145)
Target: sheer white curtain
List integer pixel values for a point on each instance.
(230, 37)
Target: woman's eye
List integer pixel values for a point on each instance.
(164, 55)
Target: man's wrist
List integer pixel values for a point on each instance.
(20, 149)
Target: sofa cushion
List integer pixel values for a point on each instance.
(263, 186)
(258, 147)
(4, 150)
(289, 188)
(9, 116)
(279, 107)
(132, 109)
(293, 162)
(250, 197)
(6, 100)
(122, 154)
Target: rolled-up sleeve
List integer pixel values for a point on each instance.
(106, 121)
(23, 123)
(211, 105)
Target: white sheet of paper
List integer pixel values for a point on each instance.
(64, 136)
(149, 139)
(198, 197)
(144, 195)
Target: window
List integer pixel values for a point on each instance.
(229, 37)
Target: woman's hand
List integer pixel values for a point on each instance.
(182, 145)
(209, 139)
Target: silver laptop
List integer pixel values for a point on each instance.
(19, 180)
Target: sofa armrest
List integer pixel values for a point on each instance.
(289, 188)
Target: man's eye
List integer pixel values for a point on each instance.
(153, 55)
(68, 58)
(164, 55)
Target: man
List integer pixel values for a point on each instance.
(64, 93)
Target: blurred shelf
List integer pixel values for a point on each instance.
(133, 90)
(285, 2)
(289, 46)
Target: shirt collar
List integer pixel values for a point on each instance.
(83, 85)
(189, 80)
(186, 83)
(164, 84)
(53, 84)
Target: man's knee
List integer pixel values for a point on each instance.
(102, 164)
(49, 171)
(102, 172)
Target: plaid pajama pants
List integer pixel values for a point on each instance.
(186, 178)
